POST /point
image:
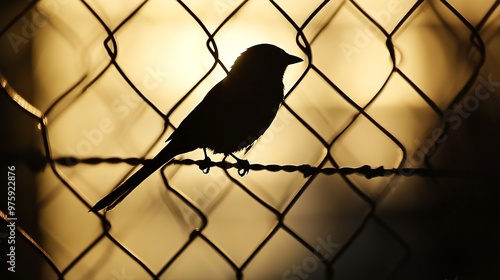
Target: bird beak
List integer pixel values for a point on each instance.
(293, 59)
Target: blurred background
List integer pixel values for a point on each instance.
(392, 83)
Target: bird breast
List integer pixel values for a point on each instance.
(246, 114)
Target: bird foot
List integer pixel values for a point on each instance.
(205, 165)
(243, 167)
(242, 164)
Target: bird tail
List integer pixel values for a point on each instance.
(126, 187)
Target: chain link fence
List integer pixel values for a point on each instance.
(383, 85)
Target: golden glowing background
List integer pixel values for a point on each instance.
(54, 55)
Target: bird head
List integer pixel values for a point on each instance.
(263, 61)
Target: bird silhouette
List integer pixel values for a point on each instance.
(231, 117)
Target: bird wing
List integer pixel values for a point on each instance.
(197, 123)
(188, 136)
